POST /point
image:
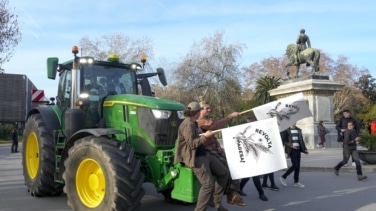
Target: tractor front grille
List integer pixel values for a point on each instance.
(163, 132)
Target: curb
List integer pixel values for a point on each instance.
(365, 169)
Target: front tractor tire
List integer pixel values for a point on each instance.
(38, 158)
(100, 176)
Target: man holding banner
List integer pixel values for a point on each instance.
(256, 148)
(191, 151)
(215, 149)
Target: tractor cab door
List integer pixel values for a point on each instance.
(64, 90)
(93, 90)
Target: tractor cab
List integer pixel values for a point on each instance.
(85, 83)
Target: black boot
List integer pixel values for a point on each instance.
(263, 197)
(242, 193)
(242, 184)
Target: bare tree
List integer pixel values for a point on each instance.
(272, 66)
(345, 73)
(210, 70)
(123, 45)
(10, 34)
(349, 98)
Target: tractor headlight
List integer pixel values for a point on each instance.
(84, 95)
(161, 114)
(181, 114)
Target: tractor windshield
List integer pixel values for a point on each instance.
(100, 80)
(103, 80)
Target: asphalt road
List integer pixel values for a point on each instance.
(323, 191)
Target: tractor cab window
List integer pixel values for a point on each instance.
(99, 81)
(108, 80)
(122, 83)
(64, 90)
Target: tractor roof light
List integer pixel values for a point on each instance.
(143, 58)
(75, 49)
(113, 58)
(135, 66)
(86, 60)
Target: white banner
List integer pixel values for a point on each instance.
(287, 110)
(254, 148)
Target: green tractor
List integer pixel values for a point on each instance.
(100, 142)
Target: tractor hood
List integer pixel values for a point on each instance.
(143, 101)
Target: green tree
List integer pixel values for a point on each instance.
(263, 86)
(367, 114)
(6, 131)
(367, 85)
(10, 34)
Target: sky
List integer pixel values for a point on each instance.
(266, 27)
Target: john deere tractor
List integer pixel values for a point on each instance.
(105, 136)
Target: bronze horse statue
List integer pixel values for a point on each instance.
(310, 56)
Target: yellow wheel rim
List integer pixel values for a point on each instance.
(32, 155)
(90, 183)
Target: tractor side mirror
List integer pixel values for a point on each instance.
(52, 67)
(162, 76)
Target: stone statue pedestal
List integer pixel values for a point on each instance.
(318, 91)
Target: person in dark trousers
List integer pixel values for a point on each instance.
(272, 182)
(190, 150)
(273, 186)
(214, 148)
(351, 137)
(294, 147)
(257, 183)
(322, 132)
(14, 141)
(342, 125)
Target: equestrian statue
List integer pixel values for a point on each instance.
(299, 54)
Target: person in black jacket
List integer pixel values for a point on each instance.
(14, 140)
(351, 137)
(293, 148)
(341, 126)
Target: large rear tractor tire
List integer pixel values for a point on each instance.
(100, 176)
(38, 158)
